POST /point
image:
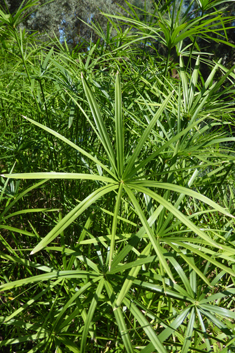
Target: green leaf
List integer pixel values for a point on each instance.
(189, 332)
(144, 137)
(114, 224)
(54, 175)
(103, 134)
(58, 322)
(119, 319)
(177, 213)
(64, 139)
(91, 311)
(145, 325)
(49, 276)
(130, 278)
(193, 82)
(164, 335)
(218, 311)
(119, 126)
(72, 215)
(150, 233)
(181, 190)
(184, 80)
(69, 344)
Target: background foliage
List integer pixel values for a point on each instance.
(69, 18)
(117, 186)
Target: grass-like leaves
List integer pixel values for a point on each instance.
(125, 241)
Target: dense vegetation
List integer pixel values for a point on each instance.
(69, 18)
(117, 187)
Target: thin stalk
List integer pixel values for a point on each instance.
(26, 69)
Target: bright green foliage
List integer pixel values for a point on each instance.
(136, 168)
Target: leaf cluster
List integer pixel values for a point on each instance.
(117, 223)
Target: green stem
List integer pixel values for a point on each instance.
(26, 68)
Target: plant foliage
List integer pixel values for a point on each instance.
(117, 187)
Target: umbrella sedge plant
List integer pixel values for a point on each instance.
(165, 235)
